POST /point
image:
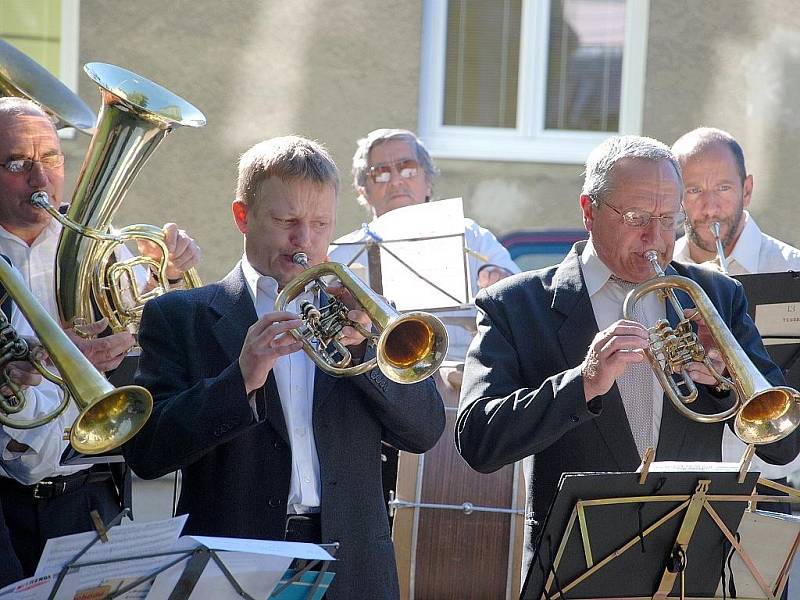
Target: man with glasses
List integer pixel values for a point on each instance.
(557, 375)
(42, 498)
(393, 169)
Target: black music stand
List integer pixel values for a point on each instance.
(784, 289)
(625, 535)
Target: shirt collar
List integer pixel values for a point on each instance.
(256, 282)
(747, 247)
(595, 272)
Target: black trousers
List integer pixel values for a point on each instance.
(62, 508)
(10, 569)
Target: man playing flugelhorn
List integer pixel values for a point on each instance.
(270, 446)
(556, 374)
(51, 499)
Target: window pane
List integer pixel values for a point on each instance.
(34, 26)
(585, 64)
(482, 60)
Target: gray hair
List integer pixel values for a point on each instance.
(289, 158)
(16, 106)
(598, 181)
(701, 139)
(379, 136)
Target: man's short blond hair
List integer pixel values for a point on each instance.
(289, 158)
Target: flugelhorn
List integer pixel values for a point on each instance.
(763, 413)
(108, 416)
(409, 347)
(721, 259)
(135, 116)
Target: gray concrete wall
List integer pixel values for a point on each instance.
(257, 69)
(733, 64)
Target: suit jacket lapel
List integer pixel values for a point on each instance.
(575, 335)
(234, 305)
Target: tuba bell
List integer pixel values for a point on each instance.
(135, 116)
(762, 413)
(108, 416)
(23, 77)
(409, 347)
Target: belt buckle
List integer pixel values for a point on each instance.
(51, 491)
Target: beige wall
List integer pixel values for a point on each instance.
(335, 70)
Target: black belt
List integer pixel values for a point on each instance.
(303, 528)
(54, 486)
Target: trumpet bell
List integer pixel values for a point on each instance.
(412, 347)
(768, 416)
(111, 420)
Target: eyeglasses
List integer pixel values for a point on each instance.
(407, 168)
(640, 218)
(24, 165)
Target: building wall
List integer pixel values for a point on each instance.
(335, 70)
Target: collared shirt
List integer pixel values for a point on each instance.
(46, 443)
(607, 298)
(294, 377)
(754, 252)
(476, 238)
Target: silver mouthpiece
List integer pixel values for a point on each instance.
(40, 199)
(301, 258)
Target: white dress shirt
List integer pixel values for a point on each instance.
(754, 252)
(607, 298)
(294, 376)
(476, 238)
(46, 442)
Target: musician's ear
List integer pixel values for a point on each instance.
(239, 210)
(747, 190)
(587, 210)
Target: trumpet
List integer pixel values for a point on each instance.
(723, 262)
(762, 413)
(409, 347)
(108, 416)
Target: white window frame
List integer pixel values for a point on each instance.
(70, 52)
(528, 141)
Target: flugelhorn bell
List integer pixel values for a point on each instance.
(108, 416)
(409, 347)
(763, 413)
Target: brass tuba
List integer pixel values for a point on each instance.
(135, 116)
(763, 413)
(23, 77)
(410, 347)
(108, 416)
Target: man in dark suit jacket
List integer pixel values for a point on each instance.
(541, 378)
(269, 446)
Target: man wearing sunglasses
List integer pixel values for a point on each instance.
(42, 498)
(393, 169)
(557, 374)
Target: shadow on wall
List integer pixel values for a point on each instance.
(537, 249)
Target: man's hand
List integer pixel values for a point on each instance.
(698, 371)
(610, 353)
(266, 341)
(350, 336)
(489, 274)
(104, 353)
(184, 253)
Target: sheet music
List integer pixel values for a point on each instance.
(781, 319)
(438, 258)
